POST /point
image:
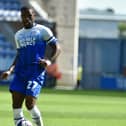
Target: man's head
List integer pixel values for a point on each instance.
(27, 16)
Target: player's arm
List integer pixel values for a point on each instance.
(52, 45)
(6, 73)
(48, 59)
(55, 51)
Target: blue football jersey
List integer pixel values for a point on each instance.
(31, 45)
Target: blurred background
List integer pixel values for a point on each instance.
(92, 35)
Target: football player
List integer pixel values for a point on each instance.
(29, 65)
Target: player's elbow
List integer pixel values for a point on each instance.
(58, 49)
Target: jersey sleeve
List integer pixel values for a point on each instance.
(16, 42)
(48, 36)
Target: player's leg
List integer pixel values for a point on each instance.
(17, 89)
(32, 92)
(17, 101)
(34, 111)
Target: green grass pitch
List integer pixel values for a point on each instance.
(72, 108)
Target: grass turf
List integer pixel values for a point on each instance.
(72, 108)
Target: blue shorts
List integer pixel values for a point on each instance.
(31, 87)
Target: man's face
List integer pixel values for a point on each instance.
(27, 17)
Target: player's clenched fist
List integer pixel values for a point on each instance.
(44, 62)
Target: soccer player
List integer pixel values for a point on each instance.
(30, 65)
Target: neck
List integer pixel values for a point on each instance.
(30, 26)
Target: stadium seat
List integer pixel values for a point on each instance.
(7, 53)
(9, 10)
(2, 37)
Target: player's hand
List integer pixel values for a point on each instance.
(5, 74)
(44, 62)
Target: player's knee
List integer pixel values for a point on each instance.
(29, 103)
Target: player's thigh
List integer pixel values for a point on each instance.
(32, 92)
(17, 99)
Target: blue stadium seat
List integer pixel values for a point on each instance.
(2, 37)
(10, 5)
(9, 10)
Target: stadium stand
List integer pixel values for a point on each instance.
(9, 10)
(7, 54)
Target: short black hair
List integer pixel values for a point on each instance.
(25, 8)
